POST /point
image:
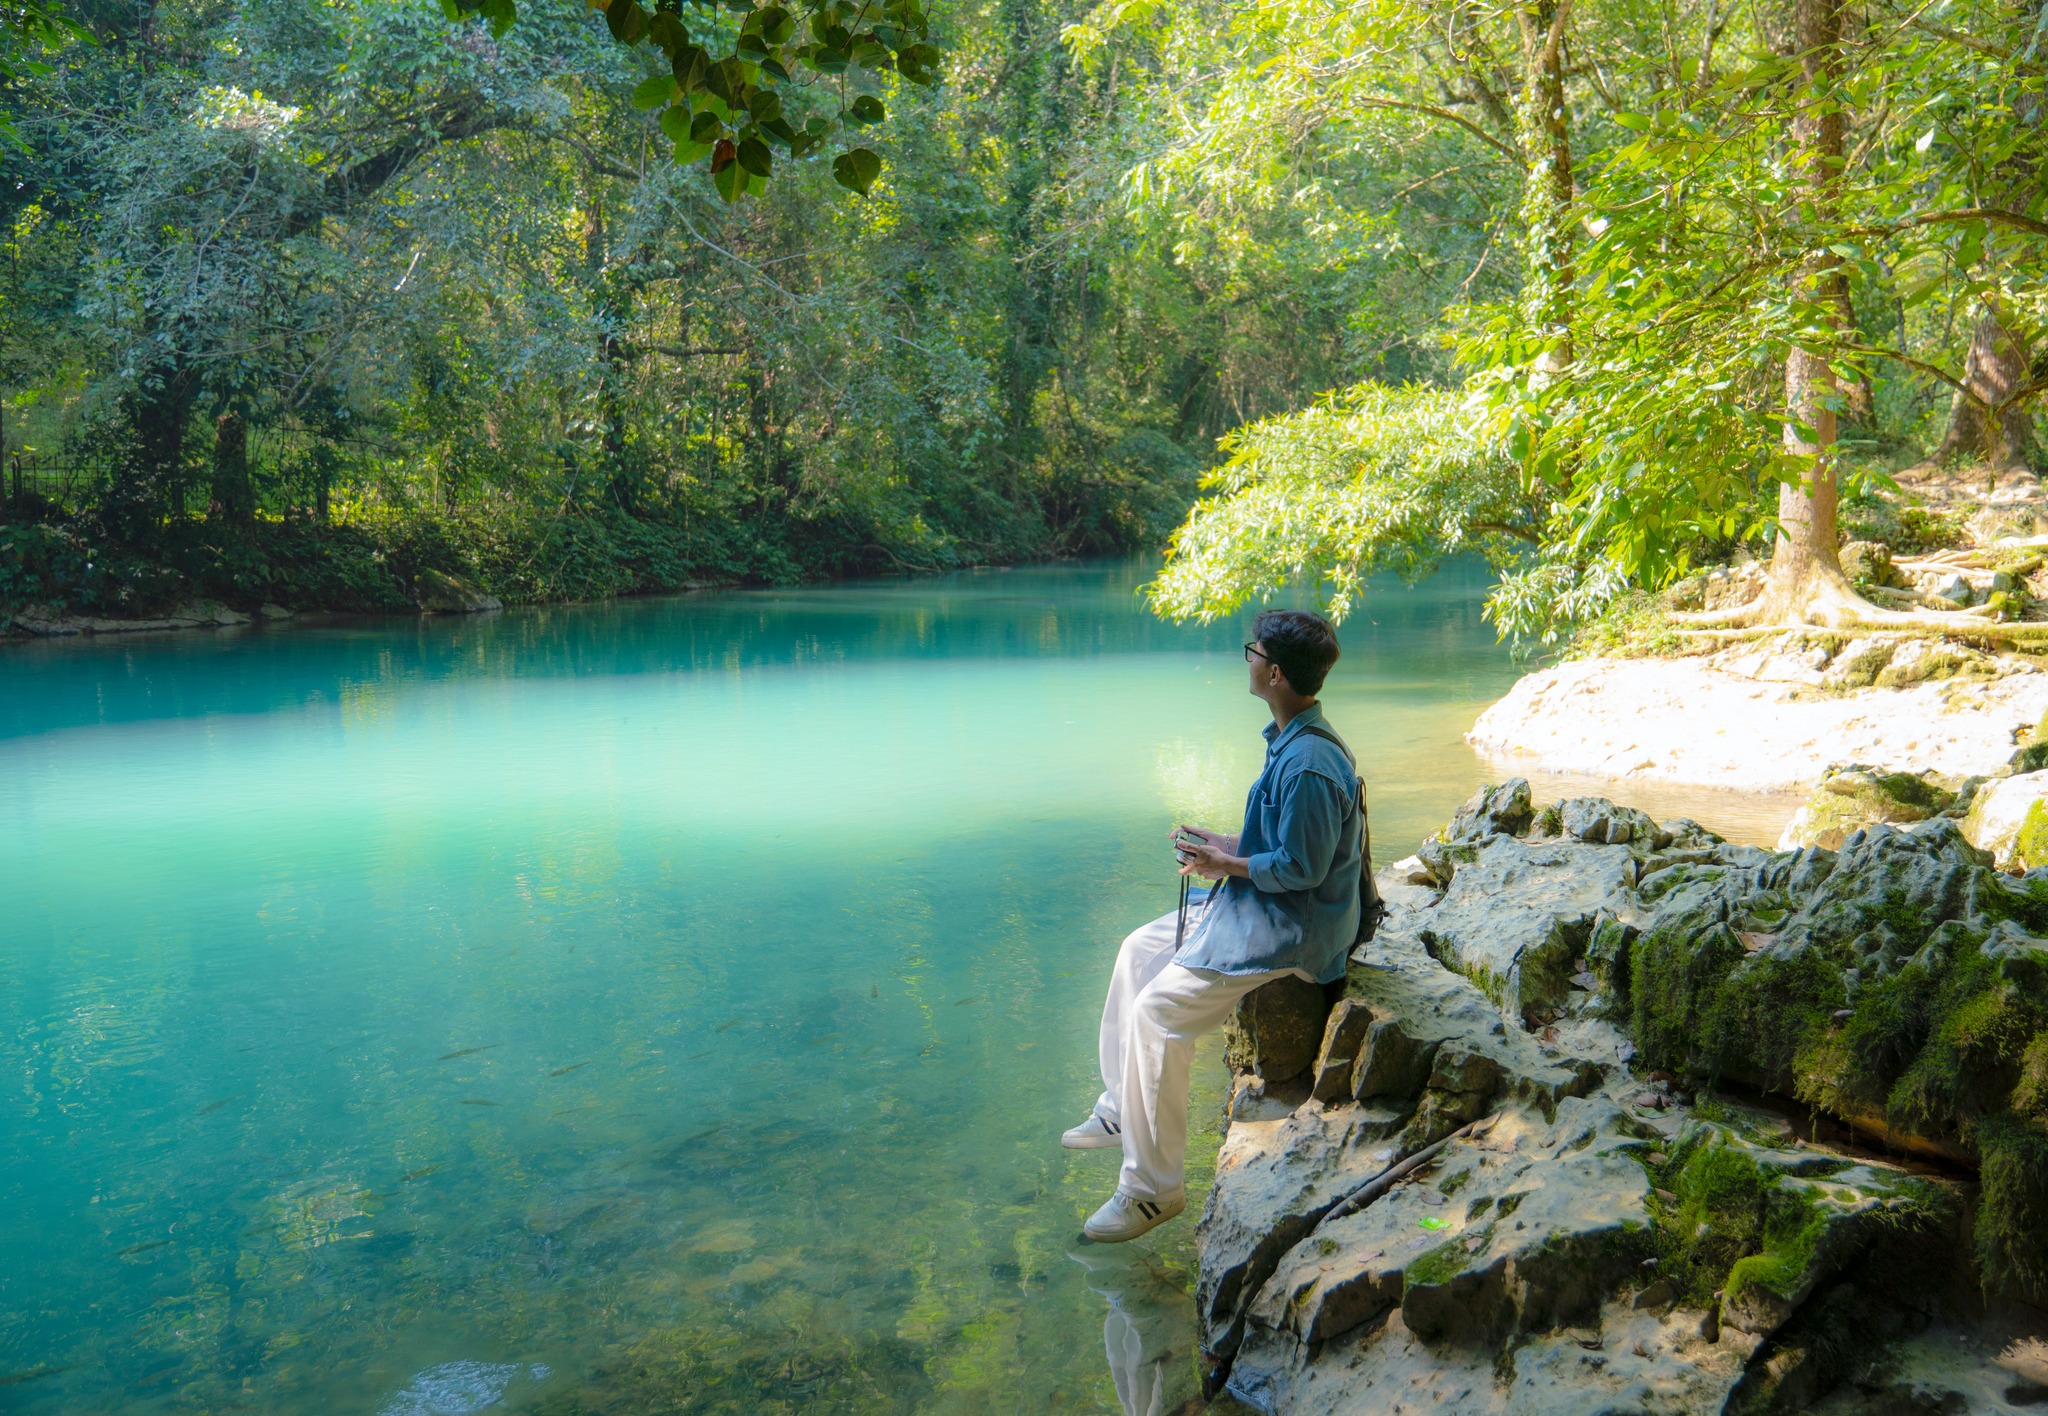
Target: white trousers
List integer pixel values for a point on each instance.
(1155, 1011)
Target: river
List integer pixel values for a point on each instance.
(659, 1006)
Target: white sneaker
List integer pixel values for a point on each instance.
(1093, 1134)
(1126, 1217)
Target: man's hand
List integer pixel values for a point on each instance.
(1211, 854)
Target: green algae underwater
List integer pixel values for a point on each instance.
(654, 1006)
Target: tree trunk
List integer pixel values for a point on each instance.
(232, 500)
(1806, 581)
(1859, 400)
(149, 481)
(1546, 139)
(1998, 363)
(605, 293)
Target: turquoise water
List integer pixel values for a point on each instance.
(664, 1006)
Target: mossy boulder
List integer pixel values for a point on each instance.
(1928, 660)
(1853, 796)
(443, 594)
(2009, 818)
(1764, 1227)
(1900, 985)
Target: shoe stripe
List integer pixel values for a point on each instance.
(1112, 1128)
(1150, 1210)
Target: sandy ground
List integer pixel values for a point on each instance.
(1690, 721)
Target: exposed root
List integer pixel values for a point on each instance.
(1736, 618)
(1958, 625)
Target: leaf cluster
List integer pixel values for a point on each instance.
(739, 76)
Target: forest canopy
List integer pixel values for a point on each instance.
(301, 300)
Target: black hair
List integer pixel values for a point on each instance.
(1301, 645)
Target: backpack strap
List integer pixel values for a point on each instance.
(1371, 908)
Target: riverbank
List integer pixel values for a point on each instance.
(66, 574)
(1617, 1115)
(1769, 717)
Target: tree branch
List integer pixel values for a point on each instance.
(677, 351)
(1910, 362)
(1997, 216)
(1966, 41)
(1432, 111)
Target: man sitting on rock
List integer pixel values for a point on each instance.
(1288, 904)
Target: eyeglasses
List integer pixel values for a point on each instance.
(1252, 651)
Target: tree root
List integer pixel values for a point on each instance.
(1957, 625)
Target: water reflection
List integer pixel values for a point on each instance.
(1148, 1330)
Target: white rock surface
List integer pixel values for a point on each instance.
(1999, 810)
(1693, 722)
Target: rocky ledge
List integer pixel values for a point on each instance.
(1615, 1116)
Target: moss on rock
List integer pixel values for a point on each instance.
(1906, 992)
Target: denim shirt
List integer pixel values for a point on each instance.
(1299, 909)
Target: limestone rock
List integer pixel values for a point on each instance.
(1516, 917)
(2009, 818)
(1727, 587)
(1859, 662)
(1601, 822)
(1344, 1033)
(1391, 1064)
(272, 611)
(204, 612)
(1925, 660)
(1502, 810)
(1410, 870)
(1274, 1180)
(1276, 1030)
(443, 594)
(44, 620)
(1853, 796)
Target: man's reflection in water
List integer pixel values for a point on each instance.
(1149, 1332)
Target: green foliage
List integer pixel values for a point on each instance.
(737, 75)
(1633, 373)
(1634, 625)
(1370, 480)
(448, 278)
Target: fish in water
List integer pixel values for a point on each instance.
(565, 1071)
(144, 1247)
(213, 1106)
(963, 1002)
(422, 1173)
(31, 1374)
(875, 991)
(465, 1052)
(727, 1027)
(703, 1135)
(479, 1101)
